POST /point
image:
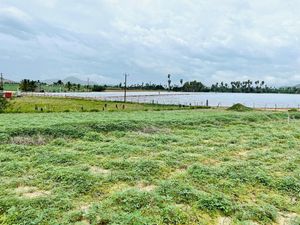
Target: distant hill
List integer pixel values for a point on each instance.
(6, 81)
(72, 79)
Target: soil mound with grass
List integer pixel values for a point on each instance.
(239, 108)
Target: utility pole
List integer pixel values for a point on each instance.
(125, 87)
(1, 83)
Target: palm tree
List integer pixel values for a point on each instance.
(169, 81)
(181, 81)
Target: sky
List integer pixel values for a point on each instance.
(206, 40)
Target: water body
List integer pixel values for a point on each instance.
(189, 98)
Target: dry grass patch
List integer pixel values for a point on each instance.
(224, 221)
(118, 187)
(31, 192)
(27, 140)
(150, 130)
(243, 153)
(83, 222)
(178, 172)
(99, 171)
(145, 187)
(286, 218)
(84, 208)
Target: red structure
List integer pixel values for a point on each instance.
(8, 94)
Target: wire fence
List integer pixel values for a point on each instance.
(171, 99)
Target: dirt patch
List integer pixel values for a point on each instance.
(31, 192)
(211, 162)
(286, 218)
(84, 208)
(224, 221)
(153, 130)
(99, 171)
(150, 130)
(243, 153)
(120, 186)
(177, 172)
(145, 187)
(83, 222)
(28, 140)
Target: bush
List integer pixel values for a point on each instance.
(180, 192)
(131, 200)
(146, 168)
(293, 110)
(98, 88)
(265, 213)
(4, 137)
(289, 185)
(215, 202)
(3, 104)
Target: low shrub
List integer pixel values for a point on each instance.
(3, 104)
(216, 202)
(289, 184)
(264, 213)
(71, 179)
(94, 110)
(93, 136)
(293, 110)
(131, 200)
(4, 137)
(239, 108)
(180, 192)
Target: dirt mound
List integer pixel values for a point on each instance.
(239, 108)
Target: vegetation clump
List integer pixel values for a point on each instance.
(3, 103)
(239, 108)
(164, 167)
(293, 110)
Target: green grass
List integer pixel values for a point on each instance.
(11, 87)
(55, 104)
(47, 88)
(155, 167)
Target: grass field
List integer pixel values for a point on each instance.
(47, 88)
(55, 104)
(137, 167)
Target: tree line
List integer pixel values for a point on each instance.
(247, 86)
(27, 85)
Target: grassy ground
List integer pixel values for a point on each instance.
(56, 88)
(47, 88)
(167, 167)
(52, 104)
(11, 87)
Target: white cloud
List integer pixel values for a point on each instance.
(205, 40)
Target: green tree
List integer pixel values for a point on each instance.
(69, 85)
(28, 85)
(193, 86)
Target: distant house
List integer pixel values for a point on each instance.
(5, 81)
(6, 94)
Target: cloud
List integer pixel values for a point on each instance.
(209, 41)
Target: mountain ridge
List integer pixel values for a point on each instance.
(72, 79)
